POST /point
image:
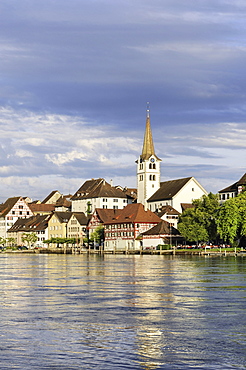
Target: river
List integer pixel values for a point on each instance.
(67, 312)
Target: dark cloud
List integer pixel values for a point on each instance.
(76, 76)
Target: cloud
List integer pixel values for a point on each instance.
(75, 79)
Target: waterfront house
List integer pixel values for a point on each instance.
(101, 216)
(58, 224)
(77, 226)
(37, 224)
(161, 234)
(122, 232)
(10, 211)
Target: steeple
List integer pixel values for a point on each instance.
(148, 144)
(148, 166)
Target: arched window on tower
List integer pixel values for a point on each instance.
(154, 166)
(150, 177)
(150, 166)
(153, 177)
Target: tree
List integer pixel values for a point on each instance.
(29, 238)
(97, 235)
(11, 241)
(198, 224)
(231, 220)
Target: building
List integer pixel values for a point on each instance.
(97, 193)
(42, 209)
(77, 226)
(37, 224)
(154, 194)
(148, 167)
(58, 224)
(169, 214)
(233, 190)
(161, 234)
(176, 192)
(10, 211)
(123, 231)
(101, 216)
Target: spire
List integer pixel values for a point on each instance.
(148, 145)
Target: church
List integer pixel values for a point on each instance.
(153, 193)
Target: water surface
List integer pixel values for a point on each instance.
(122, 312)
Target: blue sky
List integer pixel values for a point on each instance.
(76, 76)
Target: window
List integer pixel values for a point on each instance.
(20, 207)
(154, 167)
(141, 178)
(153, 177)
(150, 177)
(115, 200)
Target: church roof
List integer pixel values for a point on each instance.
(168, 189)
(148, 144)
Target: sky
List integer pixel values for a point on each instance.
(76, 76)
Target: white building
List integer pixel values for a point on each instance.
(10, 211)
(97, 193)
(154, 194)
(233, 190)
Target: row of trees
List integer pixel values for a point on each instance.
(27, 238)
(208, 221)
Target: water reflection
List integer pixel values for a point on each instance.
(122, 312)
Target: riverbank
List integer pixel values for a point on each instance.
(172, 252)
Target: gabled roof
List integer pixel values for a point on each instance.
(107, 215)
(63, 217)
(81, 218)
(168, 189)
(40, 207)
(33, 223)
(185, 206)
(234, 187)
(8, 205)
(63, 202)
(98, 188)
(50, 196)
(167, 210)
(135, 212)
(162, 228)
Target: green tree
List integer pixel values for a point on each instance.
(198, 224)
(97, 235)
(231, 220)
(11, 241)
(29, 238)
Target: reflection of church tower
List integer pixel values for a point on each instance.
(148, 167)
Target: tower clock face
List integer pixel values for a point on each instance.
(152, 160)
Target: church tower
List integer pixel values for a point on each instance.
(148, 167)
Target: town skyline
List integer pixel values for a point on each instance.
(76, 78)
